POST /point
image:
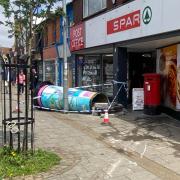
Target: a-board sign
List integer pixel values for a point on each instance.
(138, 99)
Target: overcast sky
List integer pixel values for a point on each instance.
(4, 40)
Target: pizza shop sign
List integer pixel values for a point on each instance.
(77, 37)
(129, 21)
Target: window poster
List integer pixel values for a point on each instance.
(168, 68)
(40, 71)
(91, 71)
(178, 78)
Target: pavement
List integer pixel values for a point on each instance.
(133, 146)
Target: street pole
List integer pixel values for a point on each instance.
(65, 69)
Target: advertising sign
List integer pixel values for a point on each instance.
(138, 99)
(77, 40)
(128, 21)
(178, 78)
(133, 20)
(167, 67)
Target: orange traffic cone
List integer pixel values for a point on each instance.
(17, 110)
(106, 117)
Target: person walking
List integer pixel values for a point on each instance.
(34, 79)
(20, 81)
(6, 79)
(5, 73)
(13, 76)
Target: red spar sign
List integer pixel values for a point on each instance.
(128, 21)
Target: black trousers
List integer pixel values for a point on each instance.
(21, 88)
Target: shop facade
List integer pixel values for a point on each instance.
(134, 35)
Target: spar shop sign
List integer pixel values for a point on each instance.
(77, 37)
(129, 21)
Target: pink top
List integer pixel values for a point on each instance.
(21, 79)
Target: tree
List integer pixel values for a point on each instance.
(24, 18)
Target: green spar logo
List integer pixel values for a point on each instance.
(147, 15)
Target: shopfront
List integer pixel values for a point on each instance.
(138, 32)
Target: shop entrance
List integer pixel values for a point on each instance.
(107, 75)
(138, 64)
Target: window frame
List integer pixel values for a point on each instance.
(86, 14)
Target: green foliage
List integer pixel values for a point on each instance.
(13, 163)
(22, 15)
(22, 8)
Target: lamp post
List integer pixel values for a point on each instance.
(65, 69)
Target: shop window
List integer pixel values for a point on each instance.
(91, 7)
(40, 70)
(91, 72)
(50, 71)
(95, 70)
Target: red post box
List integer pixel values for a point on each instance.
(152, 95)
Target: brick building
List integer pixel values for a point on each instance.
(51, 37)
(120, 40)
(52, 48)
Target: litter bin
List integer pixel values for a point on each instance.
(152, 96)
